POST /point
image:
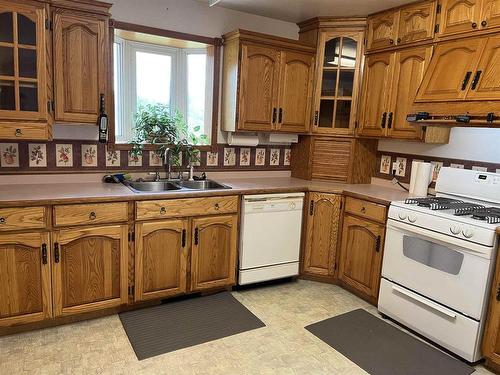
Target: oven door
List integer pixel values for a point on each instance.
(445, 269)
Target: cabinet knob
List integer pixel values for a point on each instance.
(217, 207)
(19, 132)
(399, 40)
(363, 209)
(92, 215)
(2, 220)
(474, 25)
(391, 41)
(484, 23)
(163, 210)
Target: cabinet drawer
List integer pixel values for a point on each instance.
(22, 218)
(369, 210)
(24, 131)
(81, 214)
(186, 207)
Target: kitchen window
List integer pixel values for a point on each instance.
(150, 69)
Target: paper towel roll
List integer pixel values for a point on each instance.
(413, 176)
(422, 180)
(242, 140)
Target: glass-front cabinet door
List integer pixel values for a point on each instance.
(337, 82)
(22, 61)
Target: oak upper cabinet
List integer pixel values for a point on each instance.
(382, 30)
(452, 70)
(81, 50)
(459, 16)
(161, 252)
(90, 269)
(409, 69)
(23, 71)
(338, 80)
(25, 290)
(490, 14)
(320, 247)
(376, 94)
(295, 93)
(213, 252)
(267, 83)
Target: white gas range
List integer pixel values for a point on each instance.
(439, 258)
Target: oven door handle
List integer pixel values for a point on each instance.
(457, 244)
(432, 305)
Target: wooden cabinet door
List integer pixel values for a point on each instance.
(321, 234)
(25, 292)
(213, 253)
(459, 16)
(490, 14)
(375, 96)
(416, 22)
(295, 94)
(382, 29)
(90, 269)
(361, 255)
(80, 65)
(23, 70)
(259, 85)
(491, 338)
(450, 71)
(409, 69)
(160, 259)
(485, 82)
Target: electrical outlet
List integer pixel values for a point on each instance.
(394, 168)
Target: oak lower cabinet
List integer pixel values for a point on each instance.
(90, 269)
(362, 247)
(213, 254)
(25, 286)
(161, 253)
(321, 234)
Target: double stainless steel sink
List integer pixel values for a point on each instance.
(174, 185)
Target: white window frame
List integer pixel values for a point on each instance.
(127, 96)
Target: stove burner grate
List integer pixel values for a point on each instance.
(466, 208)
(489, 214)
(434, 203)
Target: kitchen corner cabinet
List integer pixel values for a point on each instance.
(338, 79)
(80, 65)
(267, 83)
(362, 246)
(463, 70)
(401, 26)
(161, 252)
(90, 269)
(25, 286)
(24, 72)
(214, 249)
(322, 230)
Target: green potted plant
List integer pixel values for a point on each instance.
(158, 125)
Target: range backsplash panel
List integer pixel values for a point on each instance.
(63, 156)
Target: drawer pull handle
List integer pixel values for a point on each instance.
(2, 220)
(196, 236)
(19, 132)
(56, 252)
(363, 209)
(92, 215)
(163, 210)
(44, 253)
(217, 207)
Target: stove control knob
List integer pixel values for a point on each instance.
(402, 215)
(468, 232)
(455, 229)
(412, 218)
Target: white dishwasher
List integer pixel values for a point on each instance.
(271, 228)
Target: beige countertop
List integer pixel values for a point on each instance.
(51, 193)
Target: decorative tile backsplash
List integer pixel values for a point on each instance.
(404, 161)
(76, 156)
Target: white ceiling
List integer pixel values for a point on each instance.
(300, 10)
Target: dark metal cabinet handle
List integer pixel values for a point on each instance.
(217, 207)
(44, 253)
(498, 293)
(484, 23)
(363, 209)
(466, 80)
(384, 118)
(183, 238)
(196, 236)
(274, 115)
(280, 116)
(398, 40)
(2, 220)
(56, 252)
(163, 210)
(474, 25)
(316, 117)
(377, 243)
(389, 120)
(311, 208)
(475, 80)
(92, 215)
(19, 133)
(391, 41)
